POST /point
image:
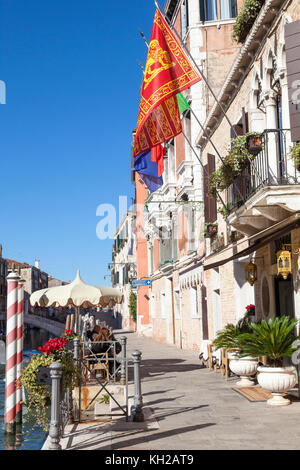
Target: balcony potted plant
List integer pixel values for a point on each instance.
(274, 339)
(236, 160)
(230, 339)
(295, 155)
(210, 229)
(254, 143)
(38, 395)
(245, 20)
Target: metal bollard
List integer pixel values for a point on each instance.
(123, 340)
(137, 412)
(76, 342)
(77, 410)
(54, 433)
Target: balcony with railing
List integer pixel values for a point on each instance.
(268, 189)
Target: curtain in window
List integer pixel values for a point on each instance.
(233, 9)
(225, 9)
(212, 10)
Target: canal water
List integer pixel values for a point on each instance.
(29, 436)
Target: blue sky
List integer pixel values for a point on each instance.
(72, 79)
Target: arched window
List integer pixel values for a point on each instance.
(214, 10)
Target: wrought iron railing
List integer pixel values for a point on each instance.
(271, 167)
(66, 408)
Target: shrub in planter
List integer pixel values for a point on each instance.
(274, 339)
(295, 155)
(230, 338)
(246, 19)
(233, 164)
(38, 395)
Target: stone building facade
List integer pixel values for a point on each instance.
(123, 266)
(170, 247)
(35, 279)
(257, 212)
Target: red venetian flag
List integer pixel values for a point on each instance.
(168, 72)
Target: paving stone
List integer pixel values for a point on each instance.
(191, 408)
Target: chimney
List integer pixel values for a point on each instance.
(37, 263)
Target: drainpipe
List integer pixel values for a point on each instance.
(173, 314)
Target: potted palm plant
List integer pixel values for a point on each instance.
(274, 339)
(230, 338)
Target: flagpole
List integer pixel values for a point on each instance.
(202, 75)
(195, 64)
(206, 134)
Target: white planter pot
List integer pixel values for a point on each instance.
(278, 380)
(232, 355)
(244, 367)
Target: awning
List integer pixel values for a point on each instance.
(260, 241)
(191, 278)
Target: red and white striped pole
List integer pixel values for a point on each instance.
(20, 336)
(11, 352)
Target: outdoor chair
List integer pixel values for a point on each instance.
(224, 367)
(101, 363)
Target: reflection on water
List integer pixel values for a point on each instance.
(28, 436)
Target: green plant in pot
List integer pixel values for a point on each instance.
(295, 155)
(246, 17)
(236, 160)
(231, 338)
(276, 340)
(38, 395)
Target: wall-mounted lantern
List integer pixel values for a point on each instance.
(284, 262)
(251, 272)
(284, 259)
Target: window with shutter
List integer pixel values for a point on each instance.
(213, 10)
(210, 203)
(184, 18)
(292, 48)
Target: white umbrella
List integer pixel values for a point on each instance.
(77, 294)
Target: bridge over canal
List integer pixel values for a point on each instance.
(54, 327)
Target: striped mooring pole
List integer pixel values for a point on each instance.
(20, 343)
(11, 352)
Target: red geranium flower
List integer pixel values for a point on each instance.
(250, 307)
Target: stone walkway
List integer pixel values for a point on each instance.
(189, 408)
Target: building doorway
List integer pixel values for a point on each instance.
(284, 296)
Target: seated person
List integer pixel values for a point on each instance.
(102, 341)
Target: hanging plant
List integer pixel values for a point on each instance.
(246, 19)
(225, 210)
(38, 395)
(295, 155)
(233, 164)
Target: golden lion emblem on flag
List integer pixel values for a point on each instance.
(157, 61)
